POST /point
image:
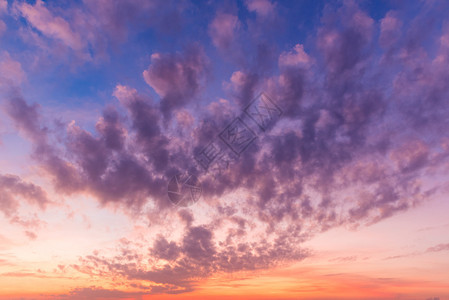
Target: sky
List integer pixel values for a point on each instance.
(253, 149)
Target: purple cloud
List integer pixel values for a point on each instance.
(350, 149)
(177, 78)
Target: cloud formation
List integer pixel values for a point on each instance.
(11, 72)
(56, 27)
(177, 78)
(364, 118)
(13, 191)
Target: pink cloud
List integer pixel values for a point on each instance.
(290, 181)
(442, 57)
(3, 9)
(263, 8)
(185, 119)
(177, 77)
(52, 26)
(27, 118)
(31, 222)
(11, 71)
(31, 235)
(32, 193)
(223, 29)
(3, 6)
(345, 49)
(238, 79)
(2, 27)
(242, 84)
(390, 29)
(361, 22)
(438, 248)
(92, 29)
(296, 57)
(124, 94)
(411, 155)
(14, 192)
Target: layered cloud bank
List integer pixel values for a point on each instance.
(362, 136)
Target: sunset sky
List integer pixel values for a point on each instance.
(342, 194)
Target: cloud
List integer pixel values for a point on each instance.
(390, 27)
(246, 42)
(263, 8)
(243, 85)
(2, 27)
(438, 248)
(31, 235)
(26, 116)
(344, 259)
(293, 183)
(346, 49)
(99, 162)
(223, 30)
(53, 26)
(94, 292)
(177, 78)
(111, 129)
(11, 72)
(163, 249)
(127, 164)
(90, 31)
(197, 255)
(297, 57)
(412, 156)
(32, 193)
(146, 124)
(14, 194)
(433, 249)
(349, 150)
(3, 6)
